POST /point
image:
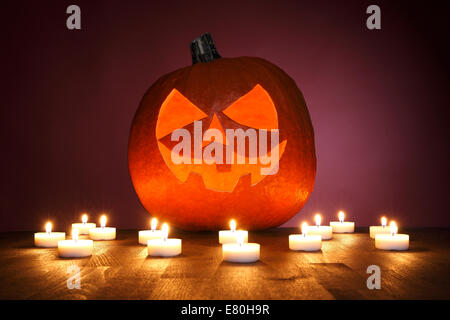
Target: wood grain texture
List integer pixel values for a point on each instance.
(120, 269)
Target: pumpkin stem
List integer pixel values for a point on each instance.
(203, 49)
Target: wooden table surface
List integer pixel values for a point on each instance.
(120, 269)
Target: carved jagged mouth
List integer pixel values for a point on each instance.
(217, 177)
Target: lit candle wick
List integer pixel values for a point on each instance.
(48, 228)
(341, 216)
(383, 222)
(304, 229)
(394, 228)
(84, 218)
(318, 219)
(154, 223)
(75, 234)
(233, 225)
(240, 238)
(165, 231)
(103, 221)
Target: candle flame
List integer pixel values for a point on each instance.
(304, 228)
(48, 227)
(341, 216)
(165, 231)
(318, 219)
(103, 221)
(84, 218)
(153, 224)
(394, 228)
(75, 234)
(240, 237)
(383, 222)
(233, 225)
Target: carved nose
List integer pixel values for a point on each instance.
(215, 124)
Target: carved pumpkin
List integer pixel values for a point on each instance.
(186, 166)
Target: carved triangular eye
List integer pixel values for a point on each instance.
(175, 113)
(255, 109)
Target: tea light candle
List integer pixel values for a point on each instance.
(75, 248)
(48, 239)
(342, 226)
(325, 231)
(374, 230)
(102, 233)
(164, 247)
(305, 242)
(240, 251)
(145, 235)
(83, 228)
(230, 236)
(392, 241)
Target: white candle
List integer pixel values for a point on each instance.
(102, 233)
(342, 226)
(240, 252)
(305, 242)
(75, 248)
(230, 236)
(383, 229)
(145, 235)
(325, 231)
(164, 247)
(392, 241)
(83, 228)
(48, 239)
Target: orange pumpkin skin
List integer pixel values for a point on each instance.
(213, 86)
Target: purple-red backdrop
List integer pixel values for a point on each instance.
(378, 101)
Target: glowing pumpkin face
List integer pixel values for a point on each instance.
(186, 168)
(253, 110)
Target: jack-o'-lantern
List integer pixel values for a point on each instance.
(224, 138)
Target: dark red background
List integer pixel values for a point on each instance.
(378, 101)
